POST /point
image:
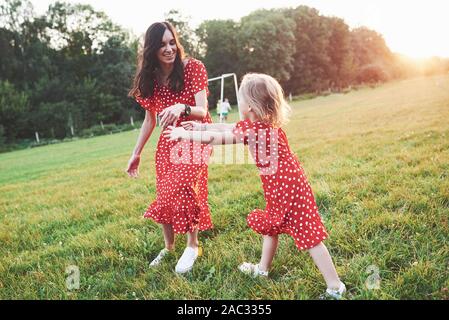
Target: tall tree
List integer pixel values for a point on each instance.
(186, 34)
(340, 70)
(373, 59)
(311, 60)
(267, 43)
(220, 53)
(14, 106)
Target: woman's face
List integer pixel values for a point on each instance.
(168, 50)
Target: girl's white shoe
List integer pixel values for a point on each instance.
(252, 270)
(157, 261)
(187, 260)
(337, 294)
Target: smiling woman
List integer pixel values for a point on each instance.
(175, 88)
(166, 51)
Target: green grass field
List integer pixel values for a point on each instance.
(377, 159)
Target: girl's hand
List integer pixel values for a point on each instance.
(192, 125)
(170, 115)
(133, 166)
(174, 133)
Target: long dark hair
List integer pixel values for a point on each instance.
(148, 62)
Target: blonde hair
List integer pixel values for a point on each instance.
(266, 98)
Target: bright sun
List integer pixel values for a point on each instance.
(418, 29)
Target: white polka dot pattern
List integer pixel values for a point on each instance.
(182, 194)
(290, 204)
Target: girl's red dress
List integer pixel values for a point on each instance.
(181, 167)
(290, 204)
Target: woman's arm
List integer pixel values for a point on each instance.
(146, 130)
(206, 137)
(170, 115)
(199, 110)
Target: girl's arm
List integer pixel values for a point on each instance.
(219, 127)
(206, 137)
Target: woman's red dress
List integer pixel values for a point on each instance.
(181, 167)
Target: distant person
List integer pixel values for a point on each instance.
(225, 107)
(173, 87)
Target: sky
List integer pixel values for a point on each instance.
(417, 28)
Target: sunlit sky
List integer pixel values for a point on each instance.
(417, 28)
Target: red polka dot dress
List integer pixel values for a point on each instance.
(181, 167)
(290, 204)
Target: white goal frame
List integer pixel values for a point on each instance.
(236, 87)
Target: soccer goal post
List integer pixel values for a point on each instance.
(236, 87)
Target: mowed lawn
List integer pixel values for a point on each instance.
(378, 162)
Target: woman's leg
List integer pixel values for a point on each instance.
(323, 261)
(192, 239)
(191, 252)
(269, 247)
(169, 236)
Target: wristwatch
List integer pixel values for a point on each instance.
(187, 110)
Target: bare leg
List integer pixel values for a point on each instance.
(270, 244)
(169, 236)
(192, 239)
(323, 261)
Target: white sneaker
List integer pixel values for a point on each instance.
(187, 260)
(337, 294)
(252, 270)
(157, 261)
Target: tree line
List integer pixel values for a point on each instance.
(70, 68)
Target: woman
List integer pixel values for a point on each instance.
(174, 88)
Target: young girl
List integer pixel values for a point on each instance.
(290, 204)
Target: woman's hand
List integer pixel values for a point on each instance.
(175, 133)
(133, 166)
(170, 115)
(192, 125)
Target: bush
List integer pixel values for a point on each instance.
(98, 130)
(372, 73)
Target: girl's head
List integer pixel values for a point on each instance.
(262, 98)
(161, 47)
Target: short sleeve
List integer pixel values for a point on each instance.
(198, 77)
(242, 131)
(146, 103)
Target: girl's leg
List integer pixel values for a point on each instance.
(323, 261)
(169, 236)
(269, 247)
(192, 239)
